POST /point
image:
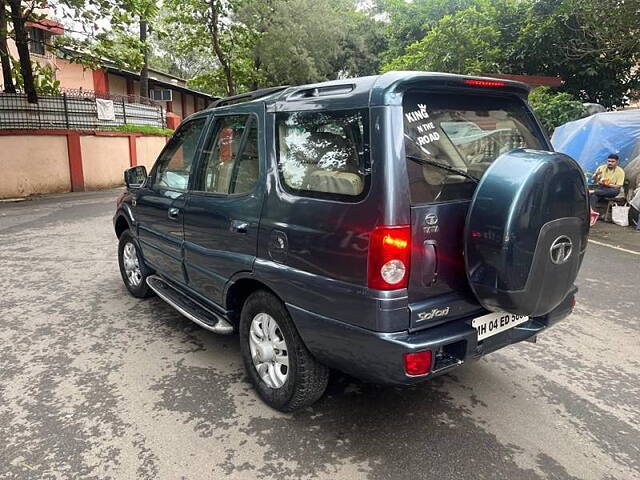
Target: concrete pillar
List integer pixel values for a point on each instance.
(74, 150)
(101, 82)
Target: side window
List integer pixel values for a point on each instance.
(324, 154)
(231, 162)
(246, 170)
(174, 166)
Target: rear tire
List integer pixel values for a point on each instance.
(133, 270)
(283, 372)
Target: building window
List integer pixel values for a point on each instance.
(37, 40)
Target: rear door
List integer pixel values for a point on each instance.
(223, 210)
(160, 203)
(450, 140)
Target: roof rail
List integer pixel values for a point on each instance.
(244, 97)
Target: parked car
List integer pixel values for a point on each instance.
(337, 225)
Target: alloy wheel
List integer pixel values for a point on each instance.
(269, 350)
(131, 264)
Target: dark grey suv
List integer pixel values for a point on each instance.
(392, 227)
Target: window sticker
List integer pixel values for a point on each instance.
(427, 139)
(417, 115)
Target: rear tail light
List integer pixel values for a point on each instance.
(573, 302)
(389, 256)
(417, 363)
(484, 83)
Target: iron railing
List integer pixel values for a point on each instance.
(79, 92)
(78, 111)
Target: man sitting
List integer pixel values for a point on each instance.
(607, 180)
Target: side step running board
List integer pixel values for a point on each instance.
(191, 309)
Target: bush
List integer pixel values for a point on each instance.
(145, 129)
(554, 108)
(44, 78)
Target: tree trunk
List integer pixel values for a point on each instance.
(214, 29)
(22, 44)
(144, 73)
(256, 68)
(9, 87)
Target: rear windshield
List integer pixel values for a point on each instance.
(463, 132)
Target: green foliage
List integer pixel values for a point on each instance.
(466, 42)
(555, 108)
(302, 43)
(591, 44)
(44, 78)
(195, 27)
(144, 129)
(363, 44)
(409, 22)
(595, 54)
(277, 42)
(118, 45)
(123, 50)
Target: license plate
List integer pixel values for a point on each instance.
(496, 322)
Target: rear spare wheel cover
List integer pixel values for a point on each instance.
(526, 232)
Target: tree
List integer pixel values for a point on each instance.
(19, 16)
(164, 56)
(466, 42)
(361, 49)
(144, 72)
(44, 80)
(555, 108)
(303, 41)
(275, 42)
(5, 58)
(146, 11)
(203, 26)
(610, 27)
(593, 45)
(596, 54)
(120, 43)
(409, 22)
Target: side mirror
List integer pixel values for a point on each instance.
(134, 177)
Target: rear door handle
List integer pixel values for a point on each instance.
(239, 226)
(173, 213)
(430, 263)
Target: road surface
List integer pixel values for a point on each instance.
(97, 384)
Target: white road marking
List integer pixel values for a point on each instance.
(614, 247)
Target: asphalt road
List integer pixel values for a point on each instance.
(97, 384)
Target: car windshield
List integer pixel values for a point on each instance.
(463, 132)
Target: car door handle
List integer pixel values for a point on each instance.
(239, 226)
(173, 213)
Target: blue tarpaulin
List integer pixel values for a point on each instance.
(590, 140)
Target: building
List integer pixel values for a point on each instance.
(532, 80)
(166, 90)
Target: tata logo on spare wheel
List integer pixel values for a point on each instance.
(561, 249)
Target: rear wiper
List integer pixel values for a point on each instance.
(448, 168)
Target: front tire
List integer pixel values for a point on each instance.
(283, 372)
(133, 270)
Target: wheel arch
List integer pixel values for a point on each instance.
(121, 224)
(239, 290)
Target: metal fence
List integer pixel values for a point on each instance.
(82, 93)
(73, 112)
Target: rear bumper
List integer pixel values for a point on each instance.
(379, 357)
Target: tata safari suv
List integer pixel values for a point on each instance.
(392, 227)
